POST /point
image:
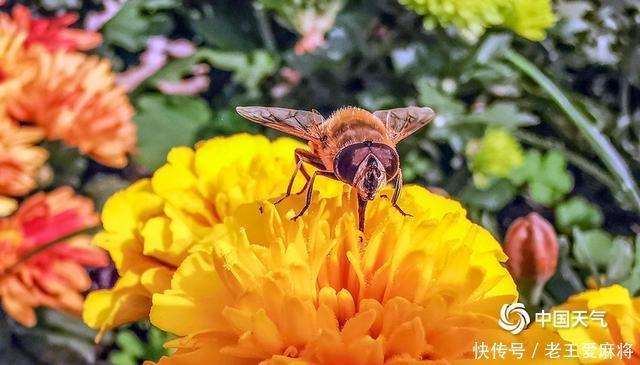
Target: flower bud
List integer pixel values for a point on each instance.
(532, 246)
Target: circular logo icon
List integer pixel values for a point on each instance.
(514, 327)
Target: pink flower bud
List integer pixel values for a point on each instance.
(532, 246)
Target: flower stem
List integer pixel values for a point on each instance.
(265, 29)
(598, 141)
(40, 249)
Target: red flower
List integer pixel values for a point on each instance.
(54, 33)
(55, 277)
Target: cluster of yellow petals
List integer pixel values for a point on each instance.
(622, 315)
(264, 289)
(20, 161)
(71, 96)
(150, 227)
(55, 279)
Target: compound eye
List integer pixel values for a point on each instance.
(389, 158)
(348, 160)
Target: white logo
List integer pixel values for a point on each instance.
(523, 318)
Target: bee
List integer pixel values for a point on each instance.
(353, 145)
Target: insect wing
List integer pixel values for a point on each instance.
(300, 123)
(401, 122)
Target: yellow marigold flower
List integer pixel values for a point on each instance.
(264, 289)
(622, 316)
(530, 19)
(20, 160)
(150, 227)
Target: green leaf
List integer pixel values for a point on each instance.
(130, 343)
(632, 282)
(577, 212)
(620, 260)
(225, 122)
(592, 248)
(546, 175)
(249, 69)
(494, 198)
(166, 121)
(445, 105)
(155, 344)
(598, 251)
(122, 358)
(502, 114)
(225, 25)
(136, 21)
(529, 168)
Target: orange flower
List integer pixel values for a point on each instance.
(56, 278)
(20, 159)
(73, 97)
(54, 33)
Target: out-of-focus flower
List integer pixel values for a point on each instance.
(159, 48)
(20, 159)
(55, 278)
(54, 34)
(290, 79)
(621, 327)
(264, 289)
(69, 95)
(7, 206)
(150, 227)
(532, 246)
(198, 82)
(96, 19)
(530, 19)
(494, 156)
(312, 19)
(74, 98)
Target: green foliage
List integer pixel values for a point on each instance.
(134, 350)
(597, 250)
(166, 121)
(59, 339)
(632, 282)
(136, 21)
(577, 212)
(545, 176)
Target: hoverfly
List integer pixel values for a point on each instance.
(353, 146)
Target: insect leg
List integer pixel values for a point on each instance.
(310, 190)
(311, 159)
(396, 194)
(300, 158)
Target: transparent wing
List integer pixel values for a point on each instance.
(301, 123)
(401, 122)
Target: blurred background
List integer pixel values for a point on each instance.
(538, 107)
